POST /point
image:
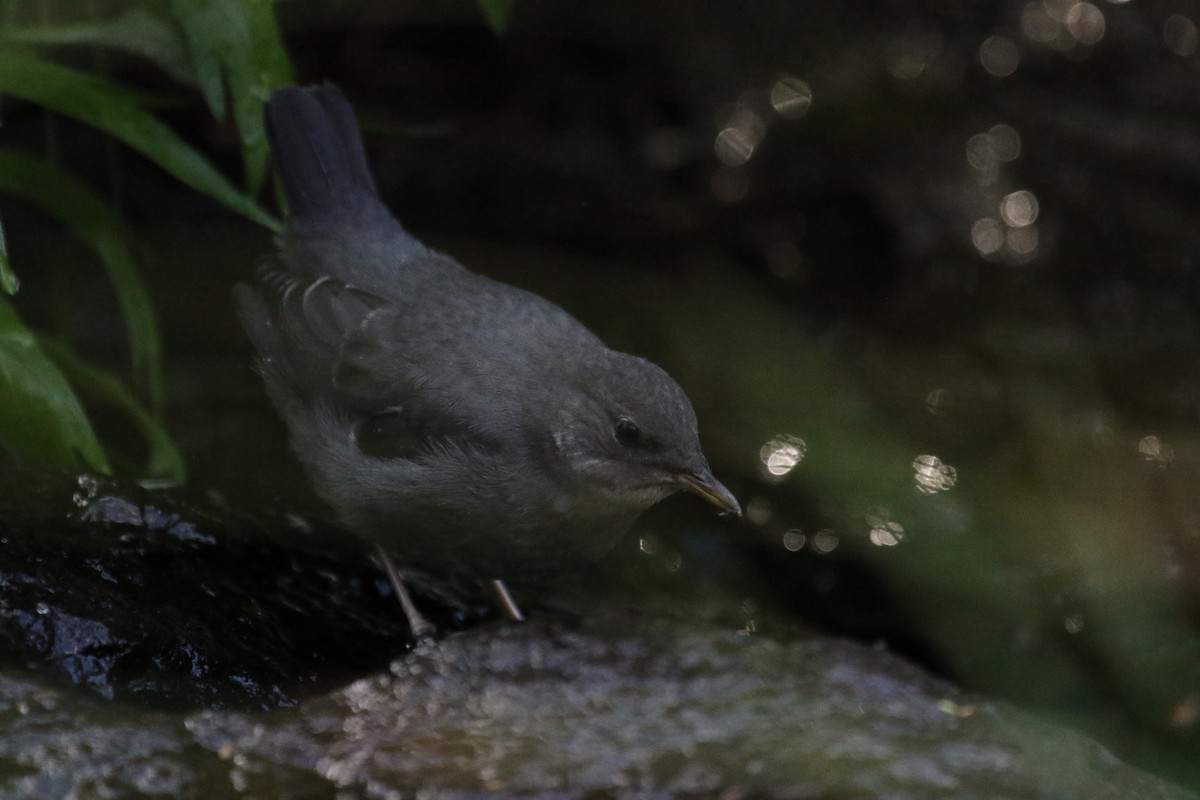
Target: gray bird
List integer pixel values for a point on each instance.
(470, 429)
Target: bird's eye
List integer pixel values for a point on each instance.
(627, 432)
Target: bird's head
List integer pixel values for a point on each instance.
(628, 433)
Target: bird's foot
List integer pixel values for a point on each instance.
(423, 631)
(504, 600)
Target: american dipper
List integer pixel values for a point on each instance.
(470, 429)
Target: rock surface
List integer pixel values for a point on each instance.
(616, 703)
(572, 707)
(138, 596)
(223, 661)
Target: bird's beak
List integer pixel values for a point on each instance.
(712, 490)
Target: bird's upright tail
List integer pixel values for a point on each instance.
(319, 154)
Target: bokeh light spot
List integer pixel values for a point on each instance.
(911, 56)
(937, 402)
(1085, 22)
(981, 152)
(1019, 209)
(1023, 242)
(888, 534)
(791, 97)
(1006, 142)
(825, 541)
(1180, 35)
(999, 56)
(1037, 24)
(759, 511)
(735, 146)
(1154, 449)
(782, 454)
(932, 475)
(1185, 713)
(948, 706)
(987, 236)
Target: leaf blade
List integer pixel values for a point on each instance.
(164, 464)
(9, 282)
(137, 31)
(238, 58)
(90, 219)
(497, 13)
(114, 109)
(41, 420)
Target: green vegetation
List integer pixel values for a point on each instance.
(228, 50)
(231, 54)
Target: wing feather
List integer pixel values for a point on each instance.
(319, 339)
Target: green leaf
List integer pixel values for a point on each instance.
(85, 215)
(164, 465)
(271, 69)
(270, 57)
(137, 31)
(496, 12)
(9, 283)
(115, 109)
(41, 421)
(209, 45)
(236, 44)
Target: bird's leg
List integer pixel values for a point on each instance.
(504, 600)
(422, 629)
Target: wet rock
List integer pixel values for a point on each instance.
(610, 705)
(143, 598)
(666, 708)
(138, 595)
(57, 744)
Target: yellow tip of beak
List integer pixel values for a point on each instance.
(712, 490)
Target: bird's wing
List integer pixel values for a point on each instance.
(298, 326)
(408, 385)
(320, 338)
